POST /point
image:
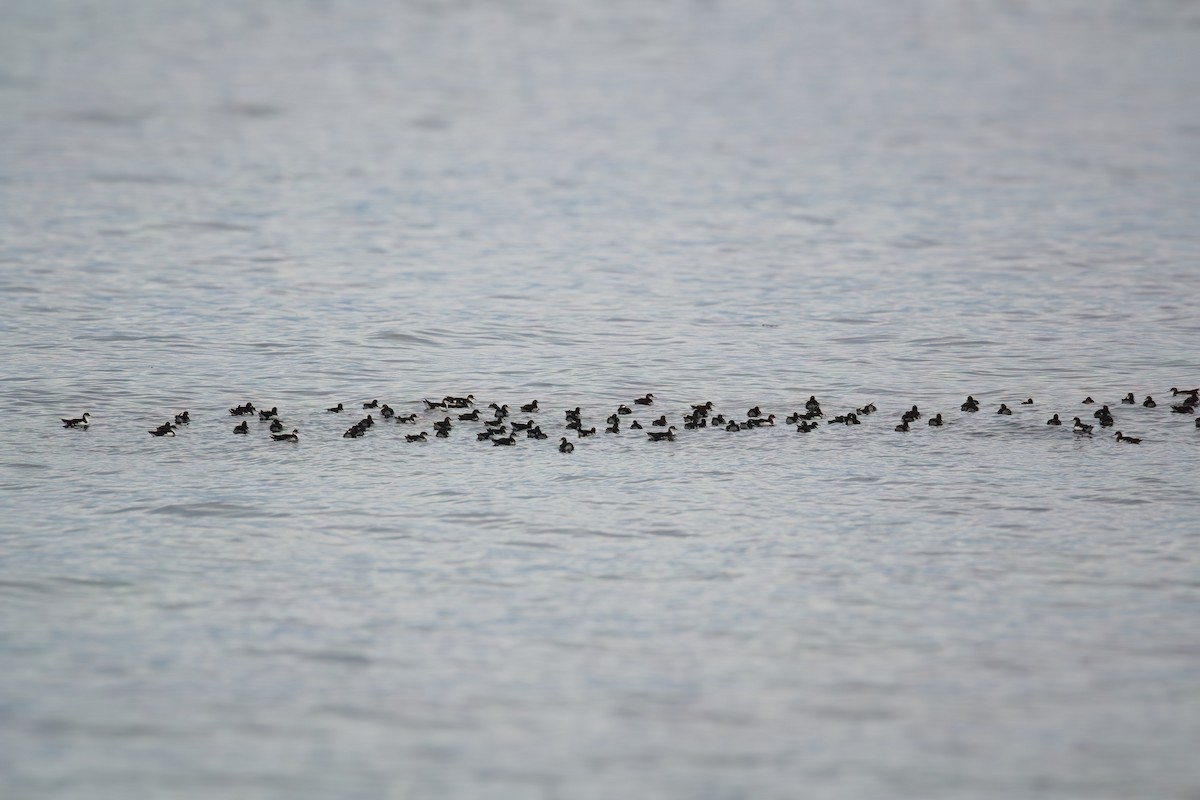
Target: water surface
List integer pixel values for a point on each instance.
(298, 204)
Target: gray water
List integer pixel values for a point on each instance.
(299, 204)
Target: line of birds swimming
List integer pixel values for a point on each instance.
(501, 430)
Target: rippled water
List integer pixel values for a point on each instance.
(298, 204)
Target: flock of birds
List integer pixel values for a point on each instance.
(501, 430)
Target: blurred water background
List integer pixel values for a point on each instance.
(301, 203)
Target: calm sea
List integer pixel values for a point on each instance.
(303, 203)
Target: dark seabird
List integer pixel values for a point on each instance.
(423, 436)
(754, 412)
(812, 404)
(970, 405)
(1087, 401)
(263, 416)
(733, 426)
(903, 426)
(430, 405)
(183, 418)
(1081, 428)
(1027, 402)
(276, 426)
(637, 426)
(244, 427)
(336, 409)
(372, 404)
(564, 446)
(241, 411)
(624, 409)
(166, 429)
(386, 411)
(614, 428)
(936, 422)
(645, 401)
(589, 432)
(530, 408)
(1054, 420)
(472, 416)
(77, 422)
(661, 421)
(1003, 409)
(662, 436)
(1121, 438)
(1128, 399)
(507, 441)
(1193, 392)
(1149, 402)
(294, 436)
(911, 415)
